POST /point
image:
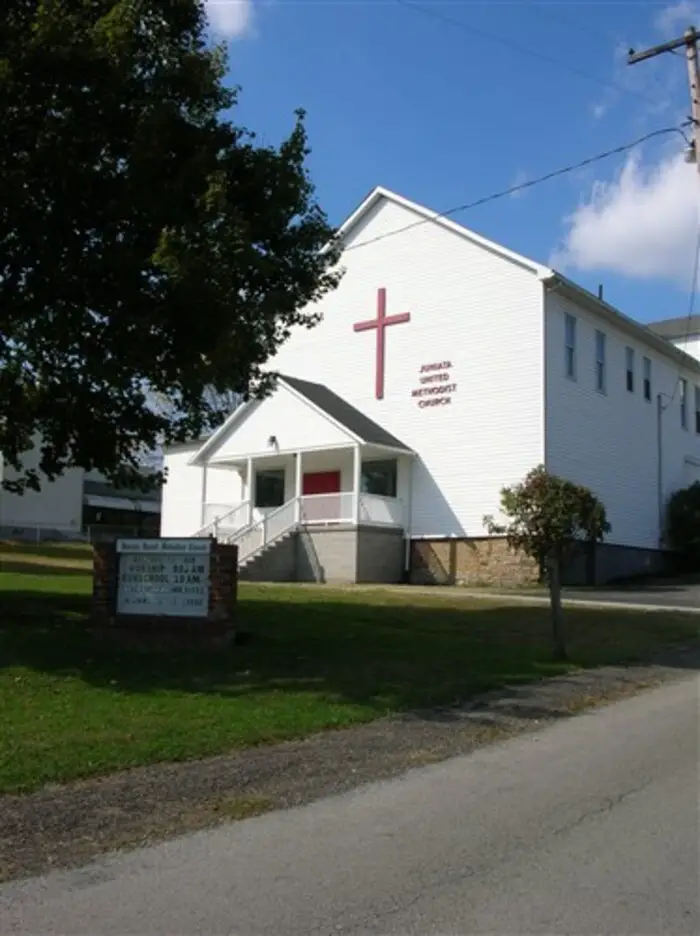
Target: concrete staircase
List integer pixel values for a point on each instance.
(275, 562)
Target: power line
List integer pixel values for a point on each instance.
(519, 47)
(513, 189)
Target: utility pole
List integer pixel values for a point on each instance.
(689, 39)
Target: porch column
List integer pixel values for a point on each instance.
(204, 496)
(298, 484)
(356, 482)
(250, 470)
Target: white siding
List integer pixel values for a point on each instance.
(468, 305)
(182, 494)
(692, 472)
(294, 424)
(609, 441)
(58, 505)
(222, 485)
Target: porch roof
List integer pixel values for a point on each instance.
(333, 410)
(361, 426)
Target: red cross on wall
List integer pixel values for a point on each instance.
(381, 322)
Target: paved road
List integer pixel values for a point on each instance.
(590, 827)
(660, 594)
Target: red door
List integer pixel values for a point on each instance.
(321, 482)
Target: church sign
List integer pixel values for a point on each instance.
(164, 576)
(166, 590)
(436, 385)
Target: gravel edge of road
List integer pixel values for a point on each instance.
(67, 826)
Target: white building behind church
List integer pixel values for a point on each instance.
(445, 367)
(76, 505)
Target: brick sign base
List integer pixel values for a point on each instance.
(216, 629)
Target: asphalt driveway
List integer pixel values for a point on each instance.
(661, 593)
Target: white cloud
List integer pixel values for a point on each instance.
(675, 19)
(642, 224)
(231, 18)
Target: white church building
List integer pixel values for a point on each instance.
(444, 367)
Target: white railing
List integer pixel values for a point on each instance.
(212, 512)
(381, 510)
(227, 522)
(265, 531)
(306, 511)
(327, 508)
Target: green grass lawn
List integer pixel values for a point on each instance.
(317, 658)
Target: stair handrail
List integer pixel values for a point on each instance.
(212, 528)
(263, 524)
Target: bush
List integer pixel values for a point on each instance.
(683, 525)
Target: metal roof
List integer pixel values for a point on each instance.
(676, 327)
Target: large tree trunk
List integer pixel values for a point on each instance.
(554, 578)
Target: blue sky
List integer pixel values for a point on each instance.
(428, 104)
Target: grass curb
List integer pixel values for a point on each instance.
(68, 826)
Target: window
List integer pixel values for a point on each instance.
(697, 410)
(269, 488)
(379, 477)
(684, 403)
(600, 361)
(647, 378)
(629, 366)
(570, 349)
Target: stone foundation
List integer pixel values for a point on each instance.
(486, 561)
(490, 562)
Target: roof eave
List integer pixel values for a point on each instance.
(321, 412)
(578, 294)
(199, 455)
(401, 449)
(440, 218)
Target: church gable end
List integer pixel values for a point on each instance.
(281, 422)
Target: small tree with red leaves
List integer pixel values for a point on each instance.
(549, 518)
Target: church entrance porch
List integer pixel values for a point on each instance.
(301, 465)
(307, 492)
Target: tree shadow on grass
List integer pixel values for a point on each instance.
(366, 652)
(19, 566)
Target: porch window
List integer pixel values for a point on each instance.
(379, 477)
(269, 488)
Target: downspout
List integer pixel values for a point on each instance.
(409, 520)
(204, 495)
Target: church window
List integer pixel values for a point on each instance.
(684, 403)
(647, 379)
(629, 369)
(570, 348)
(269, 488)
(379, 477)
(600, 361)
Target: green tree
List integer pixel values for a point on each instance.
(683, 525)
(549, 518)
(148, 245)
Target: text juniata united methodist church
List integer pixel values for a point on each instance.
(444, 367)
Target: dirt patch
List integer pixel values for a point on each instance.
(67, 826)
